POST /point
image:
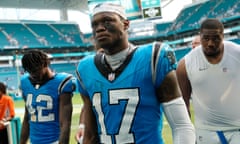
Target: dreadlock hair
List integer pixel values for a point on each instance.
(3, 88)
(212, 23)
(34, 60)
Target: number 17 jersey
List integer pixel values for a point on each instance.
(124, 101)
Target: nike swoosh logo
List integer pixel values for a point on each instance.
(203, 69)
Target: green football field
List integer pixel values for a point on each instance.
(77, 102)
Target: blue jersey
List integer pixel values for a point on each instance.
(42, 103)
(124, 101)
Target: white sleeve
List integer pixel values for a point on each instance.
(183, 131)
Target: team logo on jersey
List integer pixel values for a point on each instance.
(171, 57)
(37, 86)
(224, 69)
(200, 138)
(111, 76)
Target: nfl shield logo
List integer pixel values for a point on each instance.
(111, 76)
(224, 69)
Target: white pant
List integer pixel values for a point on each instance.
(211, 137)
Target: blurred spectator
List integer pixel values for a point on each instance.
(7, 112)
(196, 41)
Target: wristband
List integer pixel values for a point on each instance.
(81, 126)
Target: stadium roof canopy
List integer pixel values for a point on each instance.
(80, 5)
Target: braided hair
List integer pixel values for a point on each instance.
(34, 60)
(3, 88)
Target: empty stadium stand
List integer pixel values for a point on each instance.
(67, 44)
(20, 35)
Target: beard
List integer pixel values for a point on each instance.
(212, 52)
(113, 44)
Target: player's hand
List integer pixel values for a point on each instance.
(79, 134)
(2, 126)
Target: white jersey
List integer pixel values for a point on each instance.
(215, 88)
